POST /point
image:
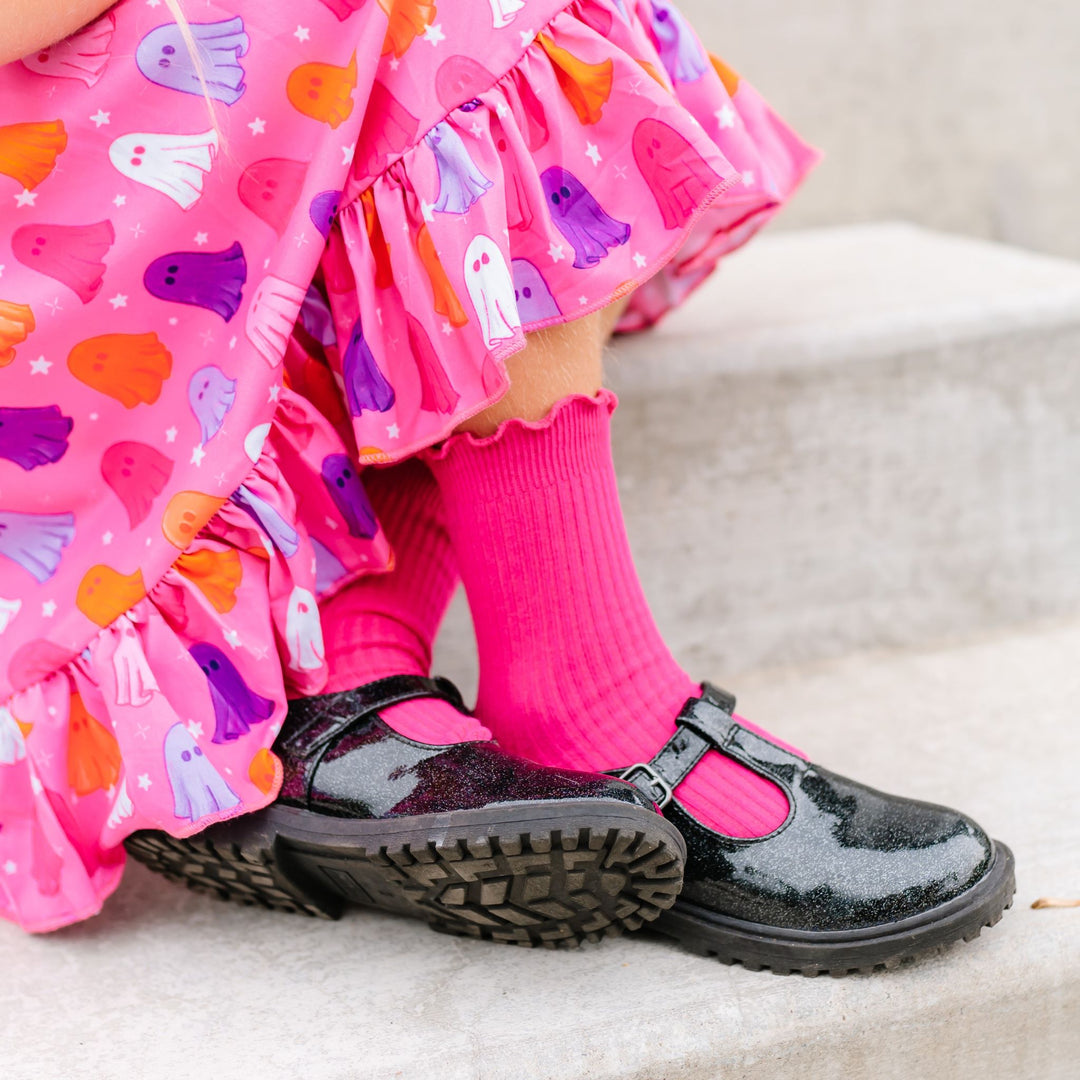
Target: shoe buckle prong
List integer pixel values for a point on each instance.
(649, 782)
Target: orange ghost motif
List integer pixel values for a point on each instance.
(93, 753)
(16, 324)
(104, 594)
(186, 514)
(587, 86)
(28, 152)
(216, 574)
(650, 69)
(408, 20)
(263, 770)
(322, 91)
(380, 249)
(446, 301)
(128, 367)
(729, 78)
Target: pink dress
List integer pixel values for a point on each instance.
(209, 324)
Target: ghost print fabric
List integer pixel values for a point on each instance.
(214, 314)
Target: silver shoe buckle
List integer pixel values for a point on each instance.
(644, 777)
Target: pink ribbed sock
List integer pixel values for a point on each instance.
(384, 624)
(573, 671)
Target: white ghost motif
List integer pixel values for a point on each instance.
(303, 631)
(122, 807)
(8, 610)
(491, 289)
(134, 679)
(172, 164)
(272, 316)
(198, 788)
(12, 743)
(503, 12)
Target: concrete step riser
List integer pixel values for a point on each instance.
(851, 438)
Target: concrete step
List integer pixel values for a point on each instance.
(169, 984)
(854, 437)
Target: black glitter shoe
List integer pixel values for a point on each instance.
(852, 880)
(469, 838)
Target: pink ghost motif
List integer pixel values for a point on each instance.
(527, 110)
(271, 188)
(389, 129)
(677, 174)
(138, 474)
(83, 56)
(70, 254)
(460, 79)
(519, 213)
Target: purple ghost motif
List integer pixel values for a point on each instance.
(316, 317)
(343, 482)
(284, 537)
(580, 218)
(163, 57)
(34, 436)
(211, 279)
(534, 300)
(211, 394)
(461, 183)
(365, 385)
(329, 569)
(679, 49)
(323, 210)
(236, 705)
(199, 790)
(36, 541)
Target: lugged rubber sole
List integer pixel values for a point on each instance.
(552, 874)
(784, 952)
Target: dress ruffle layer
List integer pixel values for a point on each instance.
(166, 720)
(617, 156)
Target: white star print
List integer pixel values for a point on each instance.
(195, 728)
(301, 240)
(639, 259)
(526, 37)
(145, 781)
(476, 129)
(556, 252)
(428, 210)
(119, 200)
(726, 116)
(592, 152)
(502, 109)
(232, 342)
(137, 230)
(201, 238)
(107, 538)
(152, 3)
(274, 391)
(447, 329)
(100, 117)
(170, 434)
(10, 867)
(118, 301)
(232, 638)
(395, 63)
(748, 178)
(173, 320)
(582, 300)
(302, 33)
(393, 431)
(25, 198)
(434, 34)
(197, 455)
(40, 366)
(258, 126)
(348, 152)
(48, 609)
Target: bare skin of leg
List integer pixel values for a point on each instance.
(556, 362)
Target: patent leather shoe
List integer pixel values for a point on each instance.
(470, 838)
(852, 880)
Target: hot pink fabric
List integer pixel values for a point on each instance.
(573, 671)
(385, 624)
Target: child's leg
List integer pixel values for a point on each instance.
(573, 670)
(385, 624)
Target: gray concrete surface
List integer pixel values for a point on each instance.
(958, 114)
(168, 985)
(848, 438)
